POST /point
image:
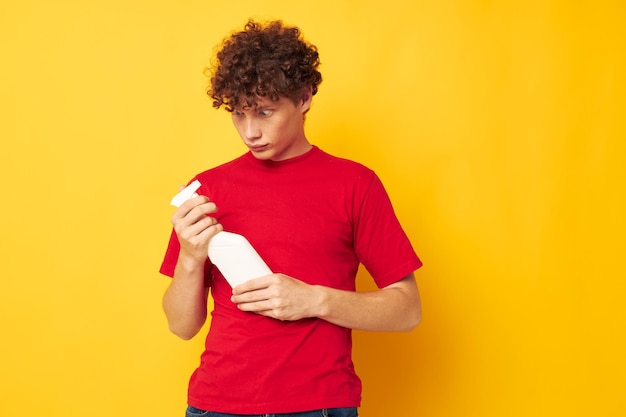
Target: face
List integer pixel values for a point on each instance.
(274, 130)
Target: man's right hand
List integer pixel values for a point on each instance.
(195, 227)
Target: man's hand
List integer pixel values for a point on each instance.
(185, 300)
(278, 296)
(195, 227)
(396, 307)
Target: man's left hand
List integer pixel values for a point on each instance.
(278, 296)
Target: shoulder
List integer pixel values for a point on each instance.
(346, 177)
(347, 166)
(219, 176)
(221, 169)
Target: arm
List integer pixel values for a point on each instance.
(185, 300)
(396, 307)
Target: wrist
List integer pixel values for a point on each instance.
(321, 302)
(189, 263)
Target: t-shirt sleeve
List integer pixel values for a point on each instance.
(381, 244)
(171, 258)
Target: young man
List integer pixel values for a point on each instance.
(281, 343)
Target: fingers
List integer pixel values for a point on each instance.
(194, 226)
(253, 295)
(193, 209)
(276, 296)
(199, 234)
(194, 212)
(270, 307)
(252, 285)
(187, 228)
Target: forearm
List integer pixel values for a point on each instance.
(185, 300)
(393, 308)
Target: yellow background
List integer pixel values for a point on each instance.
(498, 128)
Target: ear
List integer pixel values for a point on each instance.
(306, 97)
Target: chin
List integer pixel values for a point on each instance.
(263, 156)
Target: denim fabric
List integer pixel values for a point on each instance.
(331, 412)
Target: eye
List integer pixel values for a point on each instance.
(265, 112)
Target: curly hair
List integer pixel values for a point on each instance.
(263, 61)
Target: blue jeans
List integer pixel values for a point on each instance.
(330, 412)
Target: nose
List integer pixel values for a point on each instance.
(251, 129)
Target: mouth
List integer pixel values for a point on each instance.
(258, 148)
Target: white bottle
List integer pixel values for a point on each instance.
(231, 253)
(236, 259)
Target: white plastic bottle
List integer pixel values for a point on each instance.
(236, 259)
(230, 252)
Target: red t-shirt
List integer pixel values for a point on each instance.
(315, 218)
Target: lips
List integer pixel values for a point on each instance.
(257, 148)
